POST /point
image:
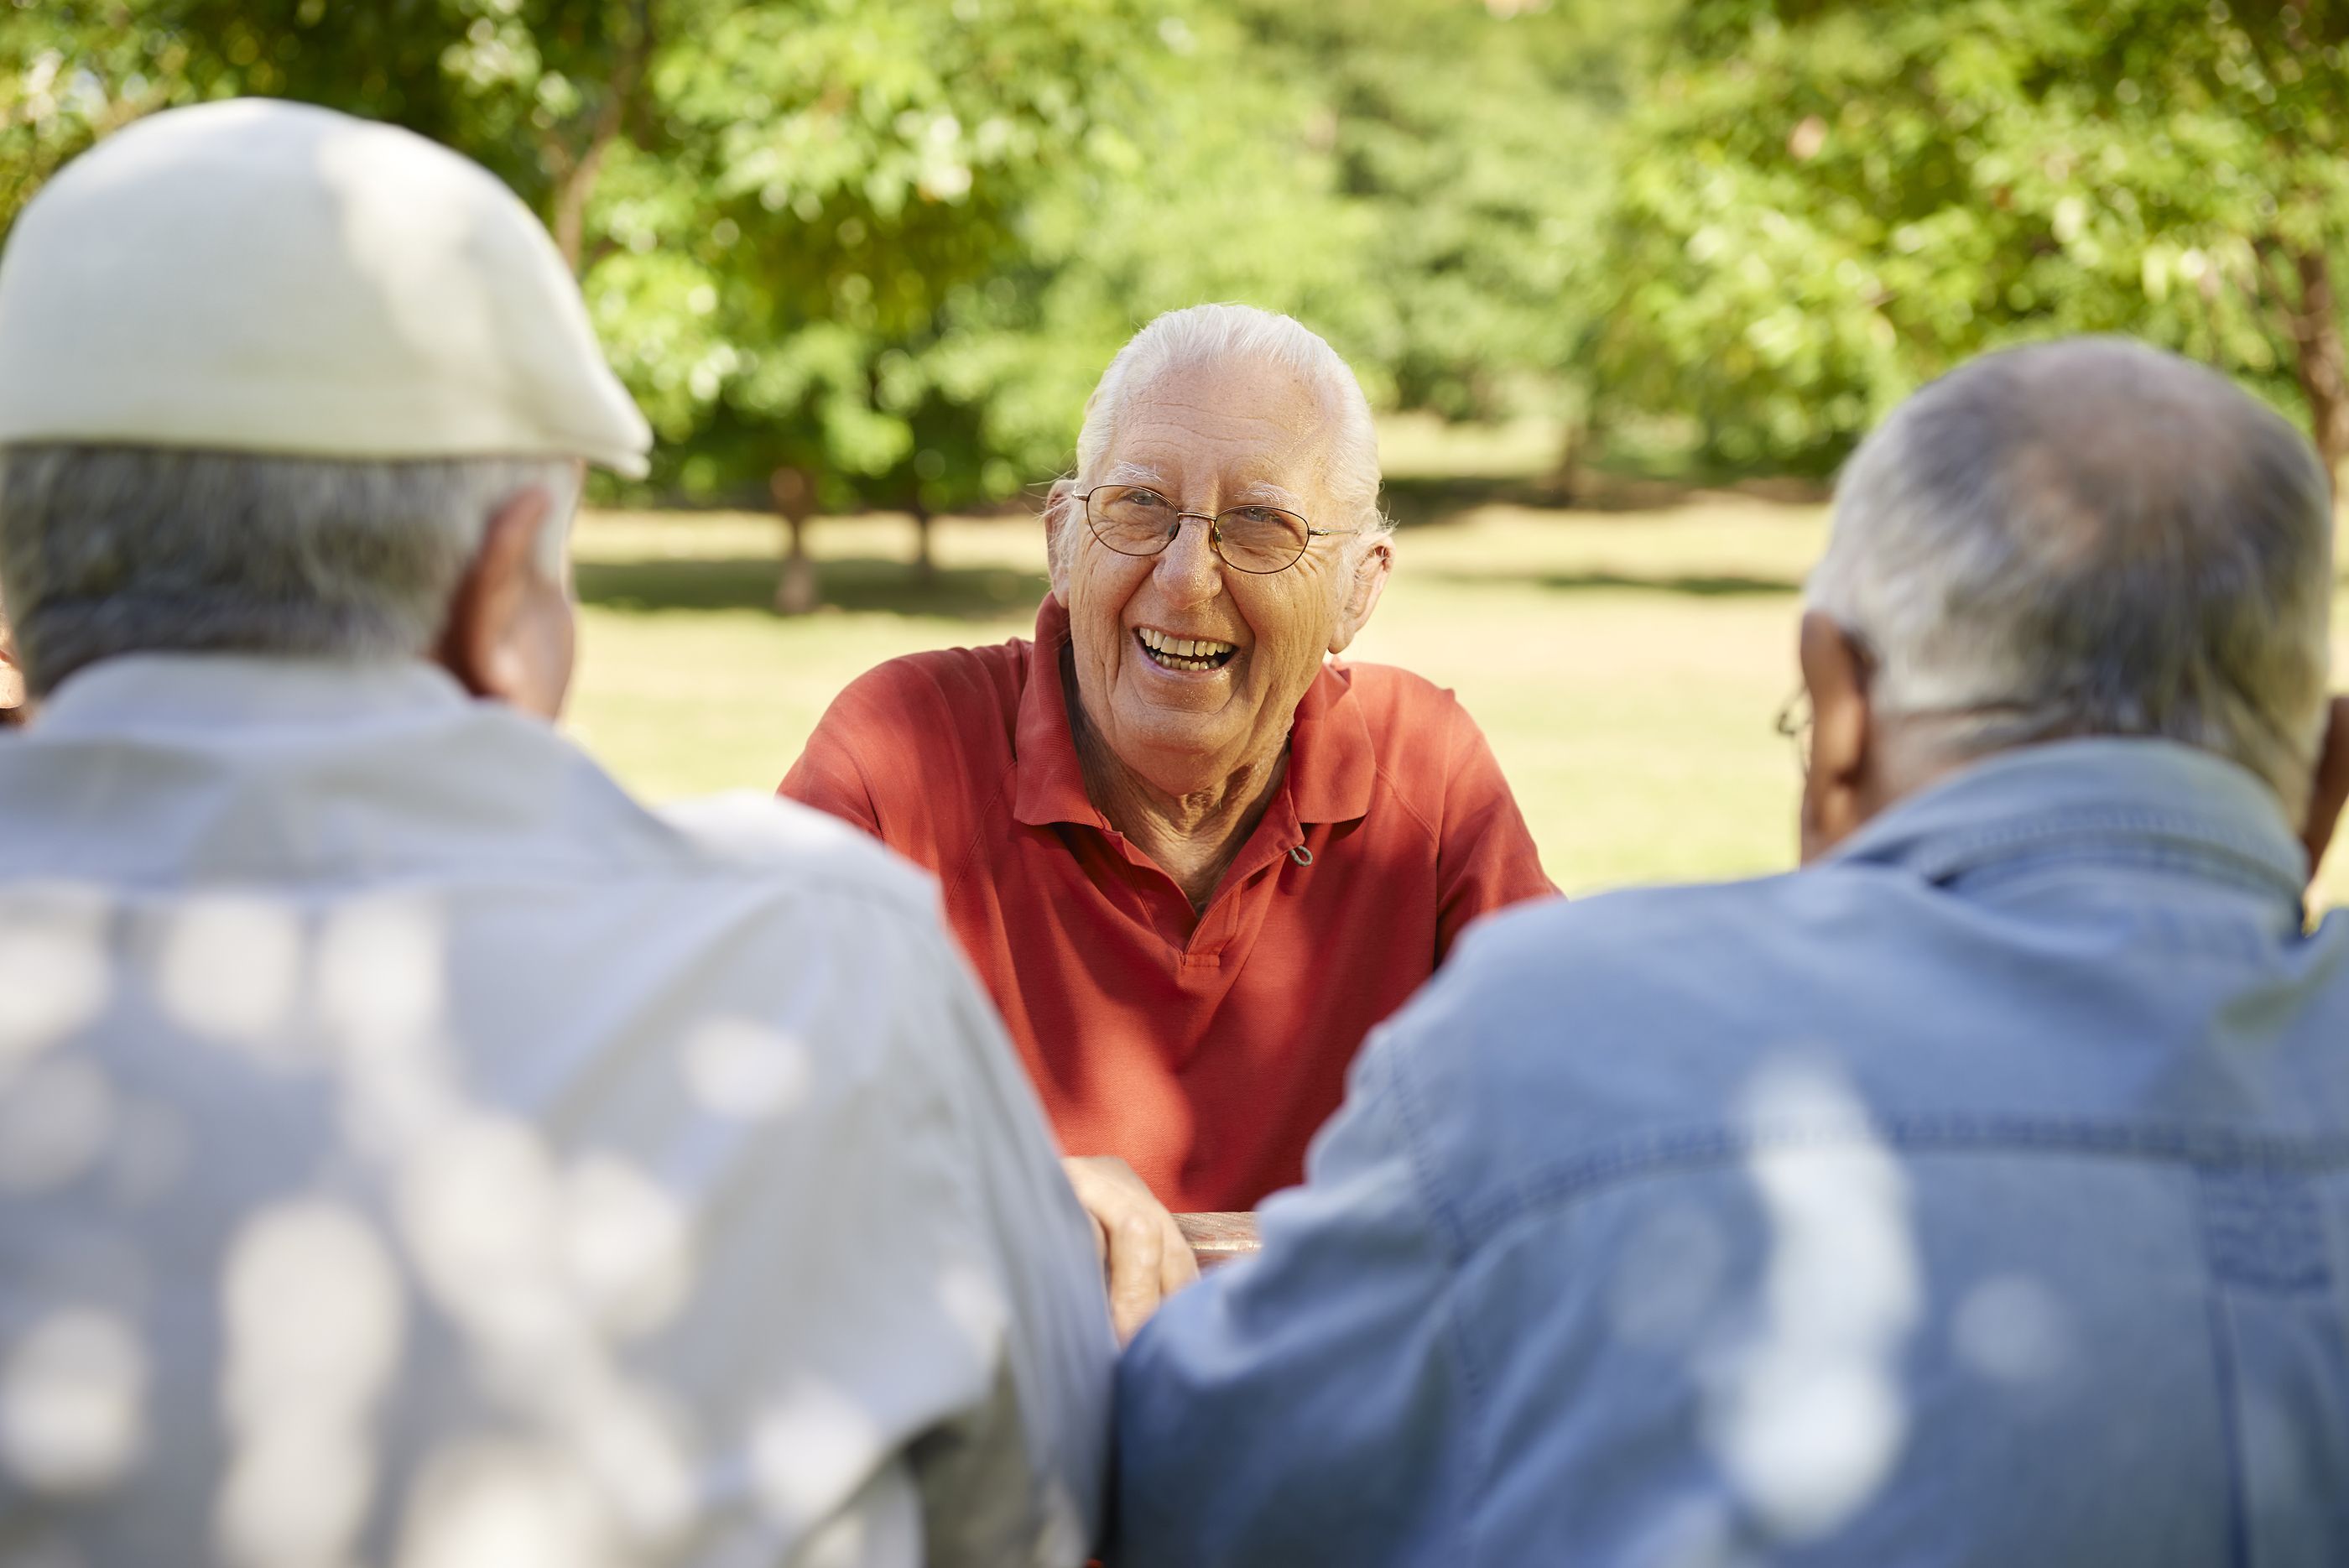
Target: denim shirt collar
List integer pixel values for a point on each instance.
(2105, 797)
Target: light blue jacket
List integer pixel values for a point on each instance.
(1980, 1195)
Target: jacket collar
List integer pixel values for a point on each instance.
(161, 694)
(1332, 764)
(2101, 797)
(243, 767)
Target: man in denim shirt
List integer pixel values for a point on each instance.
(1979, 1194)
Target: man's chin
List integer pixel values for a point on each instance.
(1162, 733)
(1149, 691)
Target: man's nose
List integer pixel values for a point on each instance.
(1188, 568)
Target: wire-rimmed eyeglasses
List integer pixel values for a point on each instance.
(1796, 715)
(1136, 520)
(1794, 722)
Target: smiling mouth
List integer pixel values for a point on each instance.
(1186, 653)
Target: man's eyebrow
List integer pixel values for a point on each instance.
(1260, 491)
(1273, 494)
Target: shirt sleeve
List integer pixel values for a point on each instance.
(905, 1319)
(829, 775)
(888, 757)
(1022, 1477)
(1486, 860)
(1305, 1405)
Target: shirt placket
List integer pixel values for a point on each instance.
(1277, 838)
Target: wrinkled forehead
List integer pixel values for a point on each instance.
(1243, 428)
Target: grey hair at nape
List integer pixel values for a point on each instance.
(107, 550)
(1201, 333)
(2091, 537)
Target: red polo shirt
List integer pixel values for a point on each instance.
(1206, 1049)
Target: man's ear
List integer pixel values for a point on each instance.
(1362, 591)
(2330, 791)
(1838, 784)
(1057, 505)
(509, 632)
(12, 681)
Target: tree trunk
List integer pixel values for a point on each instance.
(926, 571)
(575, 172)
(796, 591)
(2319, 359)
(577, 183)
(1572, 453)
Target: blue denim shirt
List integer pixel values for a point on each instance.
(1977, 1196)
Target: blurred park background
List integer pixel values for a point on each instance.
(1626, 282)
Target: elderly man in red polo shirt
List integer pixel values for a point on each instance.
(1193, 858)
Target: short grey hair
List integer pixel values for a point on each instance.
(107, 550)
(1204, 334)
(2091, 537)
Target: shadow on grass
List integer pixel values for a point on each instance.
(1419, 500)
(1709, 588)
(957, 593)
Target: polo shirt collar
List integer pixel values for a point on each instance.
(1332, 765)
(1048, 781)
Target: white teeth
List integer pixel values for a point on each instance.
(1183, 647)
(1182, 652)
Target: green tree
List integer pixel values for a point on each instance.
(1476, 141)
(1825, 203)
(770, 206)
(1417, 180)
(535, 91)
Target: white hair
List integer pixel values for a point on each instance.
(111, 550)
(2091, 537)
(1203, 334)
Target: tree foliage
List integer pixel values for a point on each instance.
(884, 246)
(1825, 205)
(1473, 144)
(859, 253)
(770, 206)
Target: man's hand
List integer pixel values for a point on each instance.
(1144, 1256)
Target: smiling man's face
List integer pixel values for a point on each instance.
(1188, 670)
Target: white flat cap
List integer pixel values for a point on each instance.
(268, 277)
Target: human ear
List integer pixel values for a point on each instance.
(1056, 518)
(12, 681)
(2329, 789)
(1362, 590)
(1838, 786)
(510, 632)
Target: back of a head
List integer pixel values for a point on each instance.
(2090, 537)
(265, 371)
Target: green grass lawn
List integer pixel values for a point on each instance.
(1627, 666)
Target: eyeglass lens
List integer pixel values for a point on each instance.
(1134, 520)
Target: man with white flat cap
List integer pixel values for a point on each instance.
(411, 1150)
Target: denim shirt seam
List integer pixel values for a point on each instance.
(1411, 1122)
(2224, 869)
(1454, 1247)
(2207, 844)
(1706, 1146)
